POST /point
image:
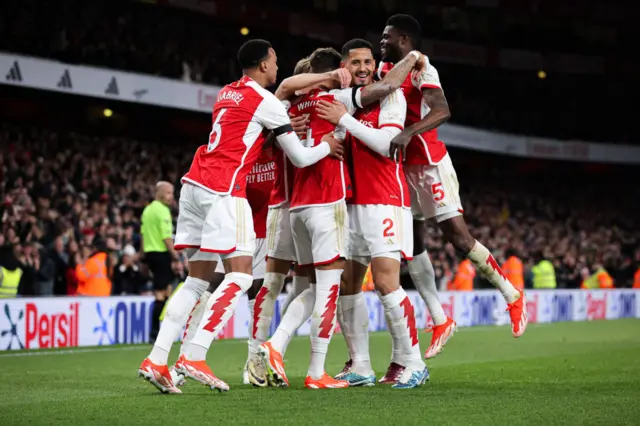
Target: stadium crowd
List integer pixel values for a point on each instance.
(66, 196)
(182, 44)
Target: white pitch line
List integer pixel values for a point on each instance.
(72, 351)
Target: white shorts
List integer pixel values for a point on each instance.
(378, 230)
(214, 223)
(279, 236)
(434, 190)
(259, 260)
(320, 233)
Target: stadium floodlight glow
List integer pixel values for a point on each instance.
(244, 31)
(542, 74)
(107, 112)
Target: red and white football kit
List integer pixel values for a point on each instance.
(279, 236)
(215, 215)
(380, 221)
(259, 185)
(319, 220)
(433, 183)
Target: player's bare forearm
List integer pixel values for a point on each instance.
(292, 84)
(438, 114)
(390, 83)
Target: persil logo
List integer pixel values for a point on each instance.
(46, 330)
(596, 308)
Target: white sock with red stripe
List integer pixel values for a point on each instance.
(253, 346)
(300, 284)
(323, 319)
(489, 268)
(402, 325)
(194, 320)
(178, 309)
(264, 308)
(354, 315)
(219, 309)
(299, 311)
(424, 278)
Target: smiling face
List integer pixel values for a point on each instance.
(361, 65)
(390, 44)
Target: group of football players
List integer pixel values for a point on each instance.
(337, 170)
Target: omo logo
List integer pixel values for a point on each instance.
(129, 321)
(482, 308)
(562, 307)
(624, 305)
(12, 331)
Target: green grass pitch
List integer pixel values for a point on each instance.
(566, 373)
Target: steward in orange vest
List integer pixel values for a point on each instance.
(463, 280)
(513, 269)
(94, 275)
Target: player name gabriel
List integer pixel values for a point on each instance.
(231, 95)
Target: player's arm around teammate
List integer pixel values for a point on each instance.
(380, 229)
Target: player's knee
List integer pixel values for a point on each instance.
(386, 282)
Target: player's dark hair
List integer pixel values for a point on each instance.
(325, 59)
(253, 52)
(406, 25)
(356, 43)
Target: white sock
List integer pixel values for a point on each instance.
(300, 284)
(175, 318)
(253, 346)
(424, 278)
(194, 320)
(402, 325)
(298, 313)
(323, 320)
(264, 307)
(489, 268)
(355, 317)
(396, 347)
(218, 311)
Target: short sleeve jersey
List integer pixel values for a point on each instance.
(377, 179)
(327, 181)
(156, 227)
(259, 185)
(243, 112)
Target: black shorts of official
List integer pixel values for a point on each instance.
(160, 266)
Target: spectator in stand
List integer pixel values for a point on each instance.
(65, 190)
(93, 270)
(514, 269)
(127, 278)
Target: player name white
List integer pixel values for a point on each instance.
(306, 104)
(231, 95)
